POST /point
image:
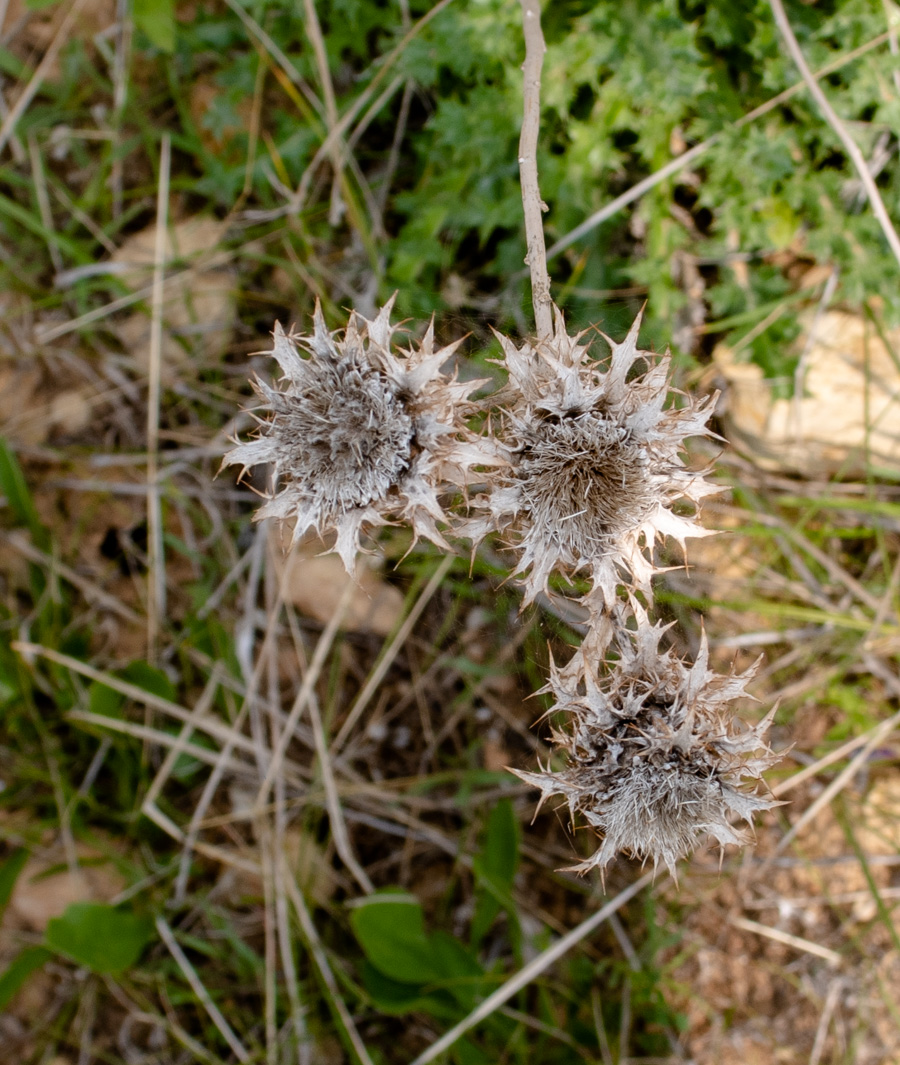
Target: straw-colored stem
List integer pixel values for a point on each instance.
(528, 171)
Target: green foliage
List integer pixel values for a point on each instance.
(18, 496)
(156, 18)
(495, 868)
(19, 969)
(102, 938)
(626, 88)
(9, 874)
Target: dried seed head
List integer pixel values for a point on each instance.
(655, 763)
(594, 464)
(358, 435)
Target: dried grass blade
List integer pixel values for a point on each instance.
(190, 974)
(532, 970)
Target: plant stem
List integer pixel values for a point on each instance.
(531, 193)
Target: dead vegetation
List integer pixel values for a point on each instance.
(243, 747)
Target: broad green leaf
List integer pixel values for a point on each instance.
(466, 1053)
(104, 701)
(151, 679)
(395, 998)
(9, 874)
(18, 971)
(99, 937)
(156, 18)
(463, 976)
(391, 932)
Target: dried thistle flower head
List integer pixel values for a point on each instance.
(594, 463)
(655, 763)
(358, 435)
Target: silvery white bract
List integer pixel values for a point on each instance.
(358, 435)
(655, 763)
(594, 464)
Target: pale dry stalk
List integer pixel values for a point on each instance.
(831, 117)
(532, 203)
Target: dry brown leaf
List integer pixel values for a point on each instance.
(199, 305)
(315, 584)
(850, 406)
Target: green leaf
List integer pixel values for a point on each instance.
(495, 868)
(151, 679)
(9, 874)
(99, 937)
(411, 970)
(499, 858)
(391, 932)
(396, 998)
(156, 18)
(18, 971)
(104, 701)
(15, 488)
(462, 976)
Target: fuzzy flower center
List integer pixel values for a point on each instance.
(584, 482)
(652, 792)
(348, 434)
(662, 808)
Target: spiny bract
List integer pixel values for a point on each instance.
(594, 463)
(359, 436)
(654, 761)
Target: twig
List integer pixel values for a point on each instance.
(831, 1000)
(277, 54)
(91, 591)
(124, 29)
(212, 726)
(528, 172)
(156, 590)
(314, 33)
(61, 37)
(190, 974)
(876, 736)
(532, 970)
(358, 104)
(43, 199)
(332, 797)
(312, 675)
(394, 155)
(386, 661)
(803, 362)
(831, 117)
(890, 15)
(806, 945)
(320, 958)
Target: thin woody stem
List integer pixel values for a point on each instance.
(531, 193)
